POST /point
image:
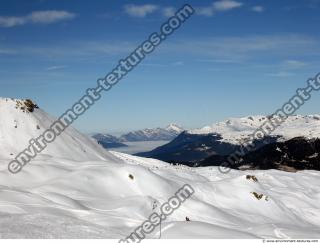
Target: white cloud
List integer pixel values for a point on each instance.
(140, 10)
(71, 50)
(238, 49)
(225, 5)
(257, 9)
(53, 68)
(11, 21)
(36, 17)
(7, 51)
(178, 63)
(281, 74)
(224, 61)
(205, 11)
(279, 50)
(287, 68)
(50, 16)
(168, 11)
(218, 6)
(293, 64)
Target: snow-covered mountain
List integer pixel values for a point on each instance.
(291, 155)
(235, 130)
(18, 125)
(174, 128)
(153, 134)
(108, 141)
(76, 189)
(214, 143)
(157, 134)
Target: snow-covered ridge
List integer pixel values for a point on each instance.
(106, 137)
(175, 128)
(19, 124)
(235, 130)
(153, 134)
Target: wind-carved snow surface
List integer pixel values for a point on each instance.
(75, 189)
(236, 130)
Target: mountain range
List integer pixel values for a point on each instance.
(77, 189)
(108, 141)
(149, 134)
(211, 145)
(153, 134)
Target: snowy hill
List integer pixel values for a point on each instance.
(235, 130)
(18, 126)
(75, 189)
(154, 134)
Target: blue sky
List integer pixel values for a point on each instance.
(231, 59)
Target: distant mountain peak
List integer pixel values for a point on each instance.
(174, 127)
(153, 134)
(148, 134)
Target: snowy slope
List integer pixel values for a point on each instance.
(235, 130)
(69, 193)
(17, 127)
(58, 198)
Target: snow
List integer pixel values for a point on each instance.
(68, 193)
(235, 130)
(174, 128)
(153, 134)
(17, 128)
(98, 198)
